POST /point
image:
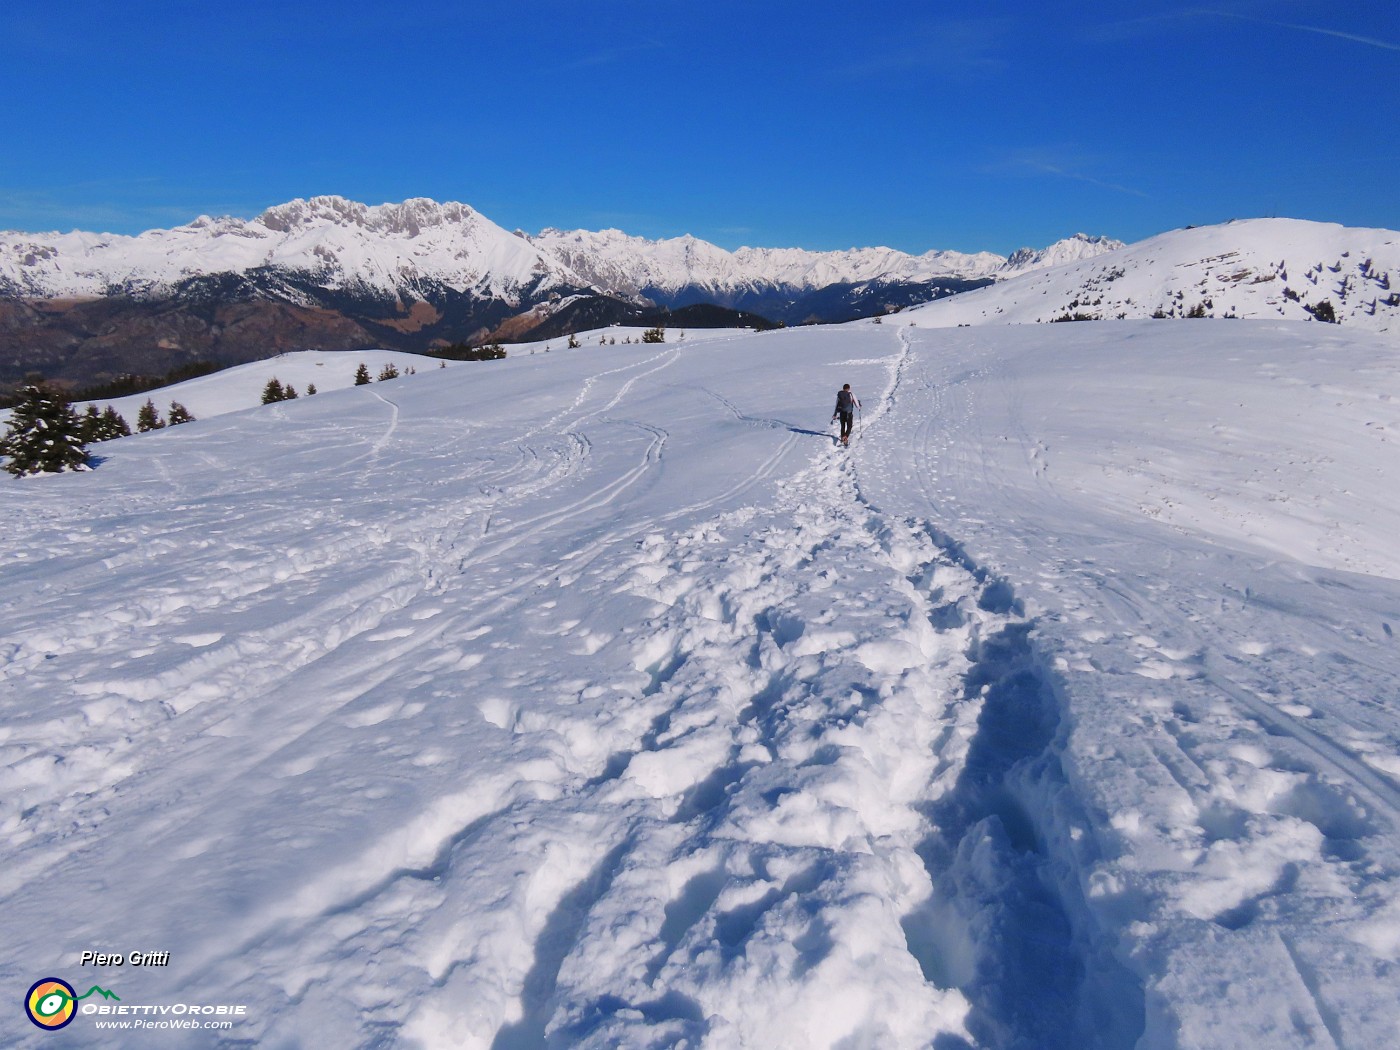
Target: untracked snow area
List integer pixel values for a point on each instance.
(594, 699)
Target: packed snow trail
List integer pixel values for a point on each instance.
(594, 699)
(339, 688)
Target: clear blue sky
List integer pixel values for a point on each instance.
(822, 125)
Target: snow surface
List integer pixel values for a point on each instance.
(1257, 268)
(594, 699)
(234, 389)
(240, 387)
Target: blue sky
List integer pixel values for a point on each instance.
(821, 125)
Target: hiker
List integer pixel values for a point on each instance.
(846, 405)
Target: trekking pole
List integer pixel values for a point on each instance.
(860, 421)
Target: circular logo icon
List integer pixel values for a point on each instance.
(50, 1003)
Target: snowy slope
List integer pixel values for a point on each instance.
(593, 699)
(1258, 268)
(240, 387)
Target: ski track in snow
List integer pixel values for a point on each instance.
(545, 725)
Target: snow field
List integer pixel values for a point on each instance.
(1223, 681)
(240, 387)
(594, 699)
(1263, 269)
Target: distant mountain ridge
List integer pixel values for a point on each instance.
(390, 249)
(334, 243)
(330, 273)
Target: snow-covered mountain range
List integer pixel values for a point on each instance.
(395, 250)
(337, 244)
(664, 269)
(330, 274)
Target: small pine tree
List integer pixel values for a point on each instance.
(388, 372)
(362, 375)
(92, 425)
(44, 436)
(149, 417)
(113, 425)
(179, 414)
(310, 389)
(289, 393)
(273, 391)
(573, 342)
(654, 335)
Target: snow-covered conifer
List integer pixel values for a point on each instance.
(362, 375)
(44, 435)
(273, 391)
(179, 414)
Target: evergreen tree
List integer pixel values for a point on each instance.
(289, 392)
(388, 372)
(654, 335)
(113, 425)
(44, 436)
(92, 425)
(149, 417)
(310, 389)
(179, 414)
(109, 426)
(361, 375)
(273, 391)
(573, 342)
